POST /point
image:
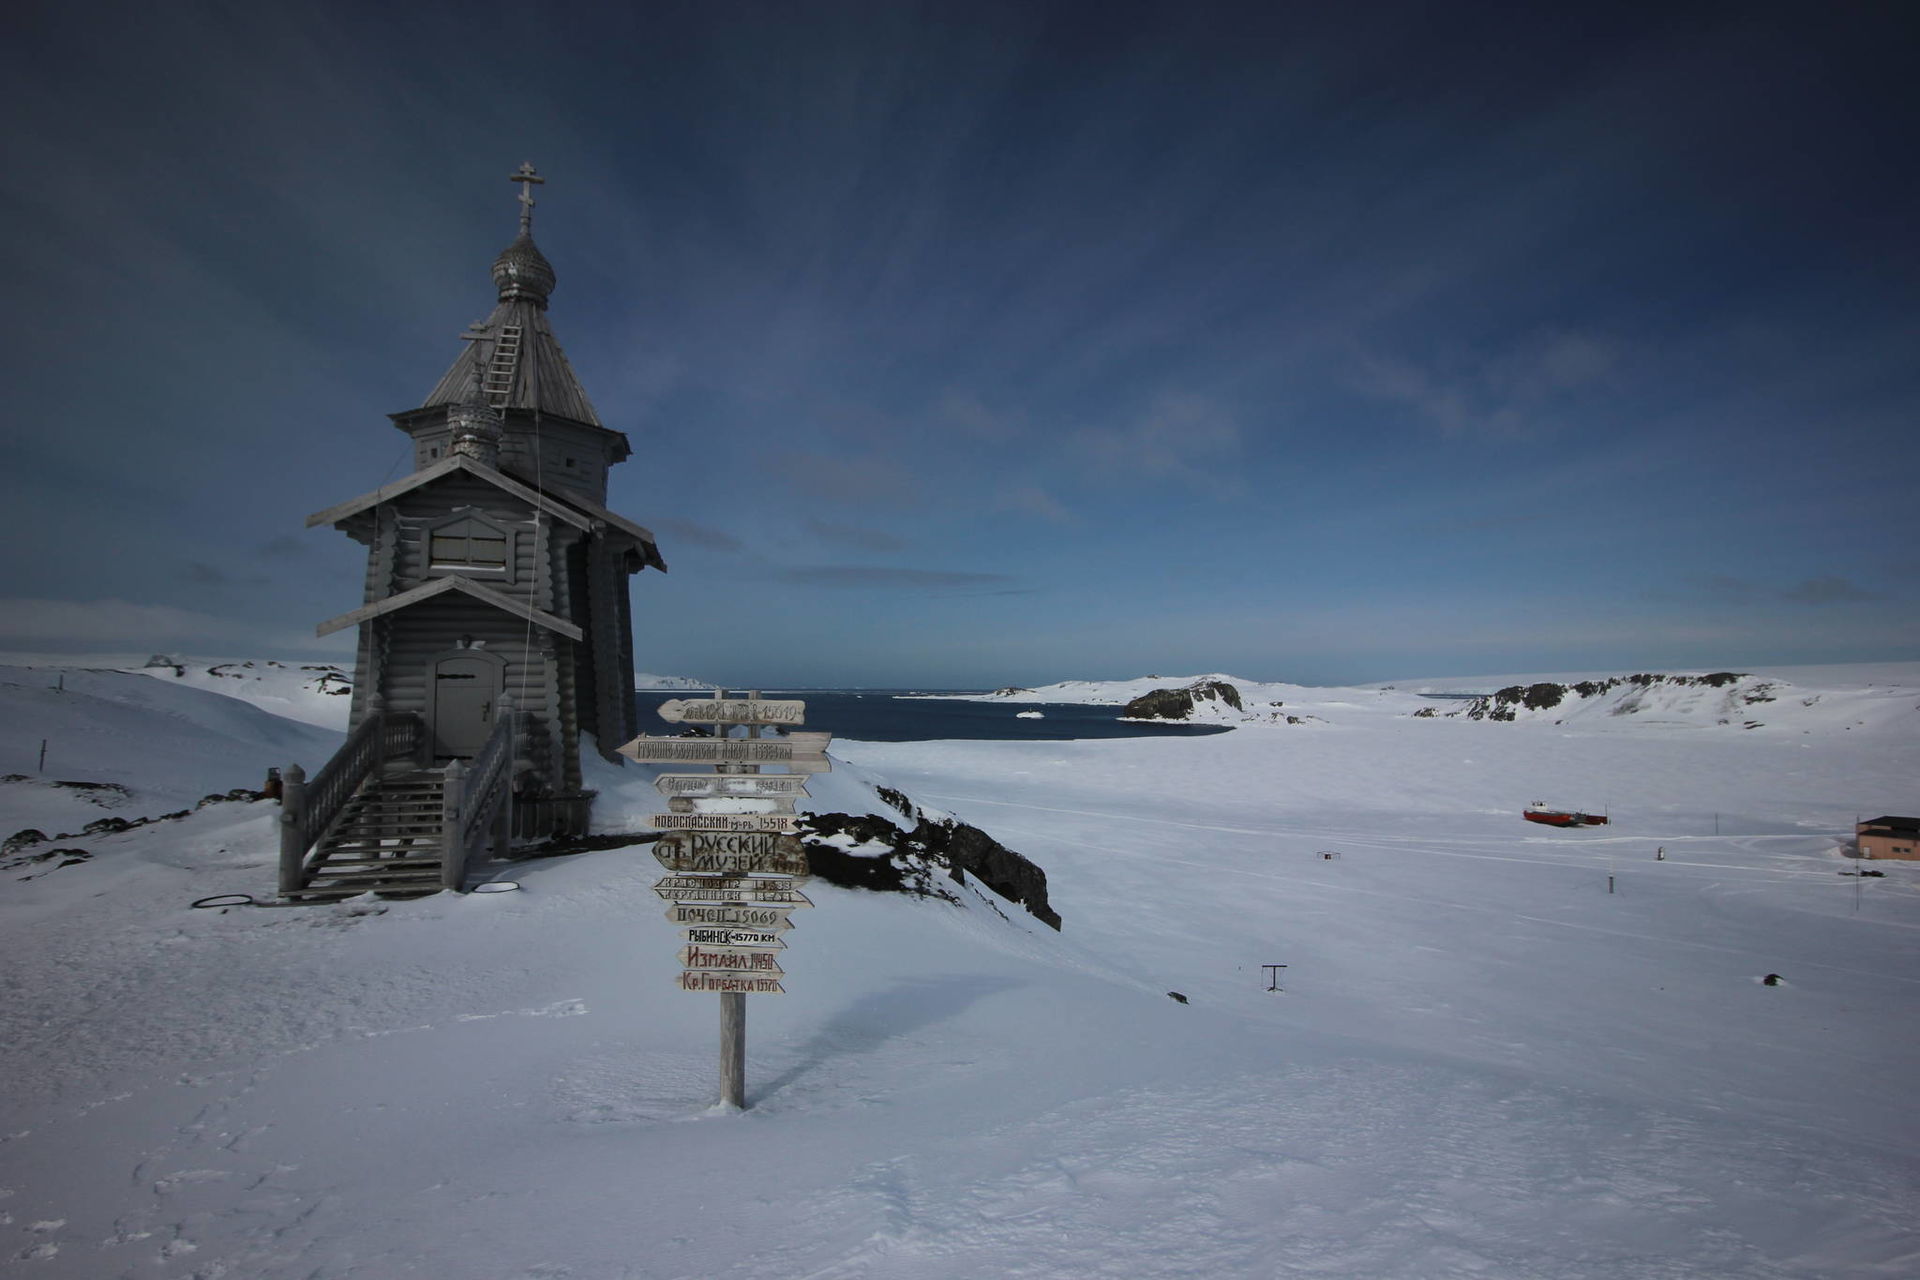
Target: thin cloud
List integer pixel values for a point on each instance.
(869, 576)
(1181, 437)
(120, 625)
(867, 481)
(852, 536)
(1727, 589)
(1519, 392)
(1034, 501)
(1825, 591)
(698, 535)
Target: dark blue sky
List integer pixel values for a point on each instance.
(988, 343)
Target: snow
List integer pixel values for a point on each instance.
(1482, 1063)
(644, 682)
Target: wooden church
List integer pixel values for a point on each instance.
(495, 631)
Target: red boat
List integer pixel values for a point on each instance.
(1538, 812)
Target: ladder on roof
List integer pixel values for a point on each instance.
(497, 384)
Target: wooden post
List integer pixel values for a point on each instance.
(733, 1004)
(293, 815)
(733, 1050)
(453, 857)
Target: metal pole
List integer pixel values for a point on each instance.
(733, 1050)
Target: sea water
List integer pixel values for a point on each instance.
(902, 715)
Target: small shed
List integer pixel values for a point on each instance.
(1889, 837)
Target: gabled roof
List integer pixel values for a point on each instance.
(445, 467)
(439, 587)
(575, 509)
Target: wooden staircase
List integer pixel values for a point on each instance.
(389, 840)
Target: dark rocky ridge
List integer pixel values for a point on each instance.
(1505, 703)
(916, 861)
(1178, 704)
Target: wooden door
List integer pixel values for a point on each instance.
(466, 689)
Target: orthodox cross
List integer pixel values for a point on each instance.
(526, 177)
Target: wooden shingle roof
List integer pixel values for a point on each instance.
(542, 379)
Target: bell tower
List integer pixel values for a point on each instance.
(495, 615)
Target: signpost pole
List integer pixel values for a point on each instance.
(733, 1004)
(733, 1050)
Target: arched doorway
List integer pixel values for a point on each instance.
(467, 684)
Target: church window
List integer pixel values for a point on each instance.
(468, 543)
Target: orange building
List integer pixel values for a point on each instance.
(1889, 838)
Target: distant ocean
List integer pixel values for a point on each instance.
(882, 715)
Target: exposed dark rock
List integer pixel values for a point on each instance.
(1009, 691)
(22, 838)
(67, 858)
(1178, 704)
(238, 794)
(888, 859)
(1505, 703)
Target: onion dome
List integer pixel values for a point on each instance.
(474, 431)
(522, 271)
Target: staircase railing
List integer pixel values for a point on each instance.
(309, 807)
(475, 799)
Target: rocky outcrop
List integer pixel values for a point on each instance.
(1505, 704)
(1178, 704)
(864, 851)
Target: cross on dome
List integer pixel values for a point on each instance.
(526, 177)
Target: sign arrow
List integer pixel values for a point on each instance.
(763, 964)
(785, 823)
(702, 786)
(733, 855)
(730, 984)
(739, 939)
(739, 915)
(732, 711)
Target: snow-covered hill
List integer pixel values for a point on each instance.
(1796, 699)
(311, 692)
(665, 684)
(1496, 1051)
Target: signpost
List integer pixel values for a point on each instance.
(786, 823)
(796, 750)
(746, 915)
(701, 786)
(718, 936)
(732, 711)
(732, 855)
(734, 860)
(729, 890)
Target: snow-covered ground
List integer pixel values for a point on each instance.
(1483, 1063)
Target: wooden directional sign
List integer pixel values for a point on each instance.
(702, 935)
(701, 786)
(796, 750)
(730, 804)
(729, 889)
(732, 711)
(763, 963)
(752, 853)
(736, 915)
(785, 823)
(731, 984)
